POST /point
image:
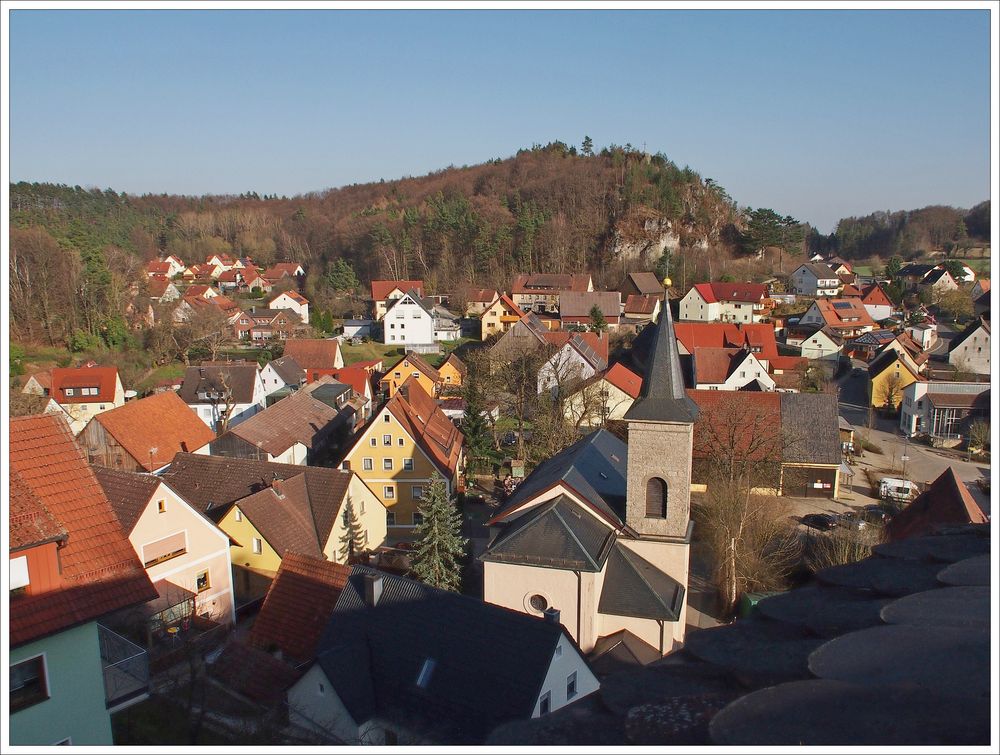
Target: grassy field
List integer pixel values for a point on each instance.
(166, 372)
(389, 354)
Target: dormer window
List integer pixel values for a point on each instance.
(426, 671)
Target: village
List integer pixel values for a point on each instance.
(585, 453)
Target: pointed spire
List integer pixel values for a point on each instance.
(663, 398)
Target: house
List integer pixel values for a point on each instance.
(981, 304)
(727, 302)
(980, 287)
(576, 307)
(969, 350)
(270, 509)
(605, 396)
(384, 292)
(478, 299)
(200, 291)
(162, 289)
(182, 551)
(223, 395)
(641, 284)
(358, 328)
(641, 309)
(540, 292)
(69, 567)
(299, 429)
(359, 378)
(292, 300)
(84, 392)
(401, 662)
(409, 321)
(266, 324)
(815, 279)
(452, 372)
(878, 305)
(923, 334)
(447, 325)
(572, 357)
(729, 370)
(144, 434)
(866, 346)
(284, 270)
(319, 353)
(498, 316)
(946, 502)
(849, 291)
(912, 275)
(840, 266)
(889, 373)
(848, 318)
(168, 267)
(822, 343)
(943, 409)
(283, 373)
(758, 338)
(405, 445)
(414, 366)
(938, 281)
(38, 384)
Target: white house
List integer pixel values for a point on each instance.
(572, 362)
(942, 409)
(970, 350)
(358, 328)
(820, 344)
(292, 300)
(409, 321)
(815, 279)
(726, 302)
(217, 391)
(282, 373)
(924, 334)
(716, 369)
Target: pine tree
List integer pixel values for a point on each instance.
(597, 321)
(355, 539)
(479, 451)
(439, 545)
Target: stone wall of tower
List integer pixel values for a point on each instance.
(659, 449)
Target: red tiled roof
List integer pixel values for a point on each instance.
(198, 290)
(624, 379)
(694, 335)
(162, 421)
(874, 295)
(596, 341)
(508, 303)
(254, 674)
(428, 425)
(713, 365)
(786, 363)
(100, 571)
(160, 268)
(837, 315)
(947, 501)
(456, 363)
(850, 291)
(102, 378)
(293, 295)
(715, 292)
(551, 283)
(298, 605)
(355, 376)
(281, 270)
(43, 378)
(644, 304)
(488, 295)
(381, 289)
(320, 353)
(158, 287)
(31, 523)
(750, 423)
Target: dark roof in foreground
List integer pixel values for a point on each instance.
(128, 492)
(374, 655)
(946, 501)
(635, 587)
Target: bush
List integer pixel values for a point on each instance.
(81, 340)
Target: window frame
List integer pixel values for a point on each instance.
(257, 546)
(208, 581)
(30, 699)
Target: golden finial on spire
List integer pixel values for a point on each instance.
(667, 282)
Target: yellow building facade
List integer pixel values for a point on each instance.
(887, 386)
(401, 371)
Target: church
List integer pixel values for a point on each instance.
(600, 534)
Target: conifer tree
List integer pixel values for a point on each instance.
(439, 546)
(597, 321)
(355, 539)
(479, 450)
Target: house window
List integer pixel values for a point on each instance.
(386, 440)
(559, 650)
(161, 507)
(69, 391)
(417, 492)
(385, 417)
(387, 465)
(571, 686)
(258, 546)
(400, 442)
(396, 375)
(390, 519)
(238, 516)
(368, 464)
(202, 582)
(407, 465)
(545, 704)
(656, 498)
(28, 685)
(373, 442)
(415, 374)
(389, 492)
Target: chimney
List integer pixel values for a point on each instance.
(373, 590)
(552, 615)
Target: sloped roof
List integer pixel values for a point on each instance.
(102, 378)
(946, 501)
(508, 304)
(915, 269)
(162, 422)
(457, 364)
(624, 379)
(958, 340)
(934, 276)
(819, 270)
(874, 295)
(313, 352)
(283, 516)
(886, 358)
(128, 492)
(382, 288)
(253, 673)
(480, 295)
(43, 378)
(31, 523)
(158, 287)
(374, 655)
(550, 283)
(592, 346)
(100, 571)
(282, 269)
(844, 313)
(716, 365)
(745, 292)
(810, 424)
(420, 363)
(293, 295)
(553, 534)
(240, 379)
(288, 370)
(646, 283)
(299, 418)
(428, 425)
(695, 335)
(634, 587)
(580, 303)
(641, 304)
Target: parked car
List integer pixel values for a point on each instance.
(819, 521)
(874, 514)
(852, 520)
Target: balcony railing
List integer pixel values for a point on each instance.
(126, 670)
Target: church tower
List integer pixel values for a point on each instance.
(660, 441)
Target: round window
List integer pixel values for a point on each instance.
(538, 602)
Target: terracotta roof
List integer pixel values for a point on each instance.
(457, 363)
(103, 378)
(293, 295)
(844, 313)
(241, 379)
(381, 289)
(254, 674)
(158, 287)
(947, 501)
(874, 295)
(786, 363)
(641, 304)
(488, 295)
(712, 365)
(850, 291)
(298, 418)
(646, 283)
(580, 303)
(161, 421)
(100, 571)
(420, 363)
(313, 352)
(281, 269)
(428, 425)
(128, 492)
(693, 335)
(354, 376)
(508, 303)
(199, 290)
(752, 419)
(158, 267)
(550, 283)
(298, 606)
(624, 379)
(43, 378)
(748, 292)
(31, 523)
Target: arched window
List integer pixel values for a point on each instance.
(656, 498)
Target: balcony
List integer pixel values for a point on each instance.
(126, 670)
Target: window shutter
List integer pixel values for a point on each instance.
(656, 498)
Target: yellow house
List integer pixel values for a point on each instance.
(889, 373)
(452, 373)
(411, 365)
(499, 316)
(399, 451)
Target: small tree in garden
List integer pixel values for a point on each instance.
(597, 321)
(355, 539)
(440, 546)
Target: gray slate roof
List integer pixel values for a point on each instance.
(239, 378)
(289, 370)
(128, 492)
(811, 424)
(635, 587)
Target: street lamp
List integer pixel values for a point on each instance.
(904, 458)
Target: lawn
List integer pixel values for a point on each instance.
(863, 269)
(372, 350)
(166, 372)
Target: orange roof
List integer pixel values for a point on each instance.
(641, 304)
(624, 379)
(158, 286)
(381, 289)
(74, 378)
(354, 376)
(750, 422)
(293, 295)
(162, 421)
(596, 341)
(508, 304)
(488, 295)
(100, 571)
(786, 363)
(874, 295)
(30, 522)
(160, 268)
(947, 501)
(44, 378)
(844, 313)
(713, 365)
(320, 353)
(298, 605)
(282, 269)
(694, 335)
(715, 292)
(197, 290)
(427, 425)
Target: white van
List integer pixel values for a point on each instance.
(895, 489)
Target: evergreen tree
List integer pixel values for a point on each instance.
(663, 264)
(479, 451)
(355, 539)
(893, 266)
(341, 276)
(439, 546)
(597, 321)
(587, 147)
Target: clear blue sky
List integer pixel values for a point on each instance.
(817, 114)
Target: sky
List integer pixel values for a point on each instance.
(815, 114)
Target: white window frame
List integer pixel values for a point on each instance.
(257, 545)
